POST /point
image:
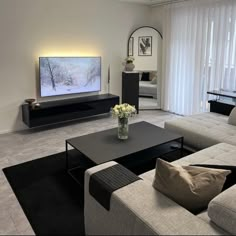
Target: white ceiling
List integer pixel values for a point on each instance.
(152, 2)
(146, 2)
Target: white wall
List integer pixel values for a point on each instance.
(157, 21)
(157, 16)
(33, 28)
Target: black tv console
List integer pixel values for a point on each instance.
(51, 112)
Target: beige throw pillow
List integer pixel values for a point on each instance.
(232, 117)
(191, 187)
(154, 81)
(152, 75)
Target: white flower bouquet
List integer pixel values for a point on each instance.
(123, 111)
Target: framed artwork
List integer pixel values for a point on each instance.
(145, 46)
(131, 46)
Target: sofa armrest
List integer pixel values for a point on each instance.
(138, 209)
(97, 168)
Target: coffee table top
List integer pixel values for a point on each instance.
(104, 146)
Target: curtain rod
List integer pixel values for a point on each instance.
(168, 2)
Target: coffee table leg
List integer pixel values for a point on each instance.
(67, 164)
(182, 147)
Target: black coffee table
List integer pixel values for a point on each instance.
(104, 146)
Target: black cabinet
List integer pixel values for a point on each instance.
(68, 109)
(222, 104)
(221, 107)
(130, 89)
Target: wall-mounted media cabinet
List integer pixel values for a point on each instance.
(51, 112)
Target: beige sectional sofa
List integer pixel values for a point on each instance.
(138, 209)
(203, 130)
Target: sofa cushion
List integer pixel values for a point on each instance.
(231, 178)
(203, 130)
(154, 81)
(222, 210)
(145, 76)
(220, 154)
(204, 216)
(153, 75)
(146, 88)
(191, 187)
(232, 117)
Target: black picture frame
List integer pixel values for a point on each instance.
(131, 46)
(145, 46)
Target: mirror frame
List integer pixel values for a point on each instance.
(138, 29)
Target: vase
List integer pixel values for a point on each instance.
(129, 67)
(123, 128)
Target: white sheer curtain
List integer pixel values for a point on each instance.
(198, 53)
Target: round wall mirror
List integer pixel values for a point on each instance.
(145, 46)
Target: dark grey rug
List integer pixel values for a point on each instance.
(52, 201)
(50, 198)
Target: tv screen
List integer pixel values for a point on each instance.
(69, 75)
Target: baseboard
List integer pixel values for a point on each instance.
(6, 132)
(11, 131)
(54, 125)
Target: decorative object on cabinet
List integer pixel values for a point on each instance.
(129, 65)
(30, 101)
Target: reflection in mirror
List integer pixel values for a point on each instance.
(145, 45)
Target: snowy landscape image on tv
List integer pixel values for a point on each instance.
(69, 75)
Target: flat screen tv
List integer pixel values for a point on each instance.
(69, 75)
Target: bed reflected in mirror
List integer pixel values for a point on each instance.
(148, 90)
